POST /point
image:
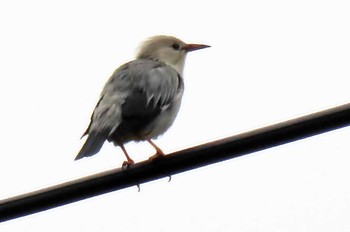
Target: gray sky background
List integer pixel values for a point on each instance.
(270, 61)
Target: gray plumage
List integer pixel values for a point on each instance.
(142, 98)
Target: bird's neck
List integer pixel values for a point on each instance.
(179, 66)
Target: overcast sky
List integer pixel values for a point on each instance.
(270, 61)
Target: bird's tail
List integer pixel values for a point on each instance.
(91, 146)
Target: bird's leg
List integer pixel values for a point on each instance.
(129, 160)
(159, 152)
(127, 163)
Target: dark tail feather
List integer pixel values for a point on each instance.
(91, 146)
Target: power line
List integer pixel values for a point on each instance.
(176, 162)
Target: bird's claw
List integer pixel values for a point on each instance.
(138, 188)
(127, 164)
(156, 156)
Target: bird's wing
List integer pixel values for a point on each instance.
(139, 89)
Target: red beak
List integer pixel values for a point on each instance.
(194, 47)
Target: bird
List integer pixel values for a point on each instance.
(141, 99)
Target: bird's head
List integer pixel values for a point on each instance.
(167, 49)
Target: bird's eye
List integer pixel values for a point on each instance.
(176, 46)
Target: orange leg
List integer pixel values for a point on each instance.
(129, 160)
(159, 152)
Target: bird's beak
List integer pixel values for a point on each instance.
(194, 47)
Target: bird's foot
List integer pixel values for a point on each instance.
(127, 164)
(157, 156)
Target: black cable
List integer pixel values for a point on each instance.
(176, 162)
